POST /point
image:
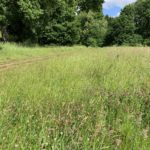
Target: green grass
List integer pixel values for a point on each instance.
(13, 52)
(93, 98)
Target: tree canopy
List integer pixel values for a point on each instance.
(69, 22)
(132, 27)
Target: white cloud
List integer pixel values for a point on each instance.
(108, 4)
(117, 15)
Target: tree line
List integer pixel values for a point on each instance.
(70, 22)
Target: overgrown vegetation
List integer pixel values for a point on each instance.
(72, 98)
(87, 98)
(52, 22)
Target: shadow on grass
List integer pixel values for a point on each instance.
(1, 48)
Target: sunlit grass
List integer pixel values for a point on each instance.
(93, 98)
(13, 52)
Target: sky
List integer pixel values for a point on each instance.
(113, 7)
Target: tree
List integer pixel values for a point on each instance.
(23, 19)
(111, 31)
(142, 8)
(91, 5)
(3, 19)
(123, 30)
(92, 23)
(93, 29)
(61, 27)
(53, 21)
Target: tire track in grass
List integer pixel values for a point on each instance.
(15, 63)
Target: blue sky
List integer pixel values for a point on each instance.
(113, 7)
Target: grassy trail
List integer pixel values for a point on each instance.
(12, 52)
(14, 63)
(81, 99)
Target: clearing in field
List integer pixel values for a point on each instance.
(65, 98)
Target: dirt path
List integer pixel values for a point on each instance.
(14, 63)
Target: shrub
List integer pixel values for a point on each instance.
(132, 40)
(147, 42)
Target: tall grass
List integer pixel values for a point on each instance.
(91, 99)
(13, 52)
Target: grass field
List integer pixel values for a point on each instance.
(13, 52)
(85, 99)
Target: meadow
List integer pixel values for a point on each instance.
(78, 99)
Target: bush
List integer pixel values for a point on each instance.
(91, 42)
(132, 40)
(147, 42)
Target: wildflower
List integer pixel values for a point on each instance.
(118, 142)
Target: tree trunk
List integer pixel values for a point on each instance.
(4, 34)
